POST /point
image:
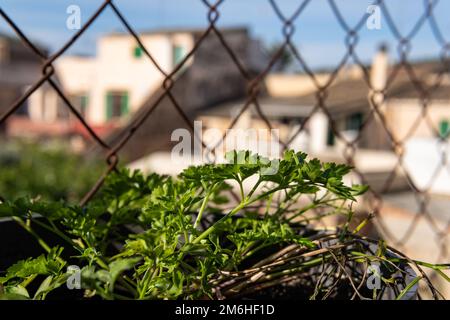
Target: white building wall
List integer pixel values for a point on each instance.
(43, 105)
(423, 161)
(318, 126)
(36, 105)
(50, 110)
(117, 69)
(76, 73)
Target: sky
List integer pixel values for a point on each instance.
(318, 35)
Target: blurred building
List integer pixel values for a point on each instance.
(118, 80)
(41, 114)
(293, 98)
(110, 87)
(348, 101)
(210, 78)
(19, 69)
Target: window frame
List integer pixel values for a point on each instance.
(124, 104)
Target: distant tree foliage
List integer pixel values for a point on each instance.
(50, 173)
(285, 60)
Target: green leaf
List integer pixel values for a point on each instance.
(358, 190)
(116, 268)
(177, 284)
(6, 210)
(44, 287)
(18, 292)
(42, 265)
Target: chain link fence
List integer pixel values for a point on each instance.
(424, 93)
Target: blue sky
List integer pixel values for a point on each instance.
(318, 35)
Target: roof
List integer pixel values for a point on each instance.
(271, 108)
(350, 94)
(19, 74)
(23, 72)
(345, 96)
(6, 36)
(12, 38)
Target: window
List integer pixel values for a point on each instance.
(354, 122)
(138, 51)
(62, 112)
(23, 109)
(116, 104)
(83, 104)
(80, 102)
(444, 128)
(330, 137)
(178, 54)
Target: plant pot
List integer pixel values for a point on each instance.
(407, 274)
(303, 287)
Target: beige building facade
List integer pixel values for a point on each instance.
(120, 78)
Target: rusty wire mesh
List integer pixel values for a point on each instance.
(255, 83)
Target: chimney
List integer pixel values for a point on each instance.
(378, 81)
(379, 71)
(4, 51)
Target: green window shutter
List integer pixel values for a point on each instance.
(178, 54)
(109, 106)
(84, 104)
(124, 107)
(355, 121)
(84, 101)
(444, 128)
(330, 137)
(137, 52)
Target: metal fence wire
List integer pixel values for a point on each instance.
(255, 83)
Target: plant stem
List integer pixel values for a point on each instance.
(408, 287)
(203, 207)
(211, 229)
(24, 225)
(41, 241)
(253, 251)
(254, 187)
(245, 202)
(57, 232)
(241, 189)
